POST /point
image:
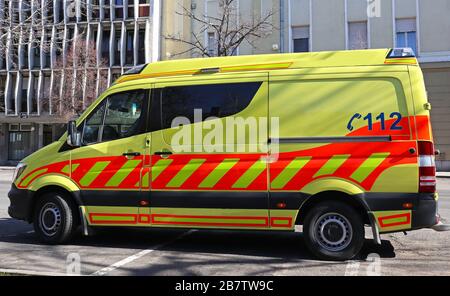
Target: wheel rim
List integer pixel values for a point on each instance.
(333, 232)
(50, 219)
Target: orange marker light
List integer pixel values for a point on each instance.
(144, 203)
(281, 205)
(408, 205)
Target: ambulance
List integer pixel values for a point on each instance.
(343, 141)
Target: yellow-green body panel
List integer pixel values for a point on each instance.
(312, 95)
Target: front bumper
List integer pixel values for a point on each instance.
(21, 203)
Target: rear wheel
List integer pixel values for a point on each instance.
(334, 231)
(54, 219)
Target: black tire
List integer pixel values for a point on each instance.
(334, 231)
(54, 218)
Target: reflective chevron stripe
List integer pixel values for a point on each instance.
(332, 165)
(185, 173)
(292, 171)
(93, 173)
(27, 180)
(289, 172)
(251, 174)
(123, 172)
(218, 173)
(369, 166)
(159, 167)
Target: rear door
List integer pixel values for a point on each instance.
(206, 158)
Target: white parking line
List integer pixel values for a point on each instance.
(106, 270)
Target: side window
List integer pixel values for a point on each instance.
(217, 100)
(119, 116)
(93, 124)
(125, 116)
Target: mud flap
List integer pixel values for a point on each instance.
(375, 230)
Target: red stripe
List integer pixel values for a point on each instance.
(92, 215)
(407, 222)
(274, 219)
(266, 220)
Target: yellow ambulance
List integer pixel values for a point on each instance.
(343, 140)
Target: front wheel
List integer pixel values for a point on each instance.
(54, 219)
(334, 231)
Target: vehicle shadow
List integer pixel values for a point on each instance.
(279, 245)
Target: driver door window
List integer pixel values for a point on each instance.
(119, 116)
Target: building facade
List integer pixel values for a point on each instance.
(130, 32)
(323, 25)
(125, 34)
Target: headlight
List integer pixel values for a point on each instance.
(18, 171)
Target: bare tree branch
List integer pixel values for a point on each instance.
(230, 29)
(75, 86)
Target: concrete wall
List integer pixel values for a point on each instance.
(437, 79)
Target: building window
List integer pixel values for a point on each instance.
(95, 12)
(34, 94)
(2, 62)
(103, 81)
(130, 13)
(19, 145)
(70, 38)
(56, 93)
(144, 8)
(26, 10)
(50, 12)
(357, 35)
(15, 57)
(60, 8)
(106, 35)
(93, 35)
(45, 98)
(47, 135)
(141, 48)
(106, 9)
(114, 76)
(11, 94)
(118, 9)
(24, 54)
(117, 48)
(36, 49)
(71, 10)
(24, 95)
(212, 44)
(407, 34)
(130, 47)
(300, 39)
(2, 93)
(83, 11)
(47, 45)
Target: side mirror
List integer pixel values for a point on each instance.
(73, 136)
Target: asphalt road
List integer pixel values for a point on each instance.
(179, 252)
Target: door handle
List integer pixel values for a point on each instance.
(131, 154)
(163, 153)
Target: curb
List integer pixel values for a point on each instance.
(15, 272)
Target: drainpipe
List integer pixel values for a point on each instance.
(282, 25)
